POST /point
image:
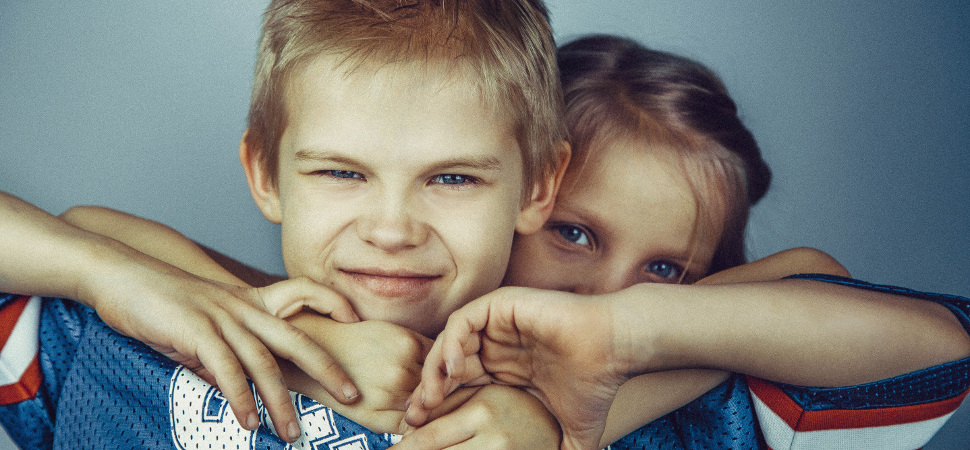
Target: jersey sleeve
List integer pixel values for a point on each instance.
(38, 341)
(19, 368)
(899, 412)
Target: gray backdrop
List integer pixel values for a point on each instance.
(863, 112)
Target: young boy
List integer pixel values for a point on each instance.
(400, 147)
(315, 171)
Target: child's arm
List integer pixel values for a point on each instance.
(793, 331)
(669, 390)
(214, 329)
(151, 238)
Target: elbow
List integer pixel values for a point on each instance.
(817, 261)
(79, 215)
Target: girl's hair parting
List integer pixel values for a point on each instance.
(618, 90)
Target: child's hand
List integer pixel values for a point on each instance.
(383, 359)
(222, 333)
(558, 345)
(494, 417)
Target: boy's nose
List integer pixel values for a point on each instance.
(390, 223)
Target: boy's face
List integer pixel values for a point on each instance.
(625, 217)
(400, 191)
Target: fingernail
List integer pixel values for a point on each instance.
(252, 421)
(350, 391)
(294, 431)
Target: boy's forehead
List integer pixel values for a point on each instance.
(331, 104)
(417, 77)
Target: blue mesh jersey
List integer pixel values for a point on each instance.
(67, 380)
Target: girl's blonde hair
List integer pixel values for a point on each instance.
(615, 89)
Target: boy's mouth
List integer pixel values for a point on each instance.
(392, 283)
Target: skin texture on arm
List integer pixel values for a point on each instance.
(790, 331)
(151, 238)
(669, 390)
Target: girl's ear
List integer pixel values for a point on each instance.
(261, 186)
(536, 210)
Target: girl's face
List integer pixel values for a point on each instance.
(624, 217)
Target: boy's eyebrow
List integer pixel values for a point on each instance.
(484, 163)
(313, 155)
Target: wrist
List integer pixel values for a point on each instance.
(634, 332)
(654, 328)
(96, 259)
(103, 265)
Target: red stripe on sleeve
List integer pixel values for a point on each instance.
(9, 314)
(24, 389)
(835, 419)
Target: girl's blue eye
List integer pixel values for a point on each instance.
(451, 178)
(665, 269)
(573, 234)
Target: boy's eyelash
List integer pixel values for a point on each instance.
(339, 174)
(463, 180)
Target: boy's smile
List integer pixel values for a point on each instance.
(397, 187)
(397, 283)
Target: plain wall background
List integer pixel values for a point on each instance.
(862, 111)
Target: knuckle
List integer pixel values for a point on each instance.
(263, 361)
(407, 347)
(291, 333)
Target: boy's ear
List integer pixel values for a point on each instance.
(536, 210)
(261, 186)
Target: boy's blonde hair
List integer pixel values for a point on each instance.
(505, 45)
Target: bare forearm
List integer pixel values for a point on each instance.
(779, 265)
(793, 331)
(648, 397)
(45, 255)
(153, 239)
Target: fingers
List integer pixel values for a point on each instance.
(446, 431)
(259, 363)
(245, 344)
(225, 372)
(292, 344)
(452, 361)
(288, 297)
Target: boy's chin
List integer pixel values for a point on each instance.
(408, 315)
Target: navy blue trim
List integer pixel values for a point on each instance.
(922, 386)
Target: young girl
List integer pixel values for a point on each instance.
(659, 189)
(662, 178)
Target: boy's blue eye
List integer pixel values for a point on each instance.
(665, 269)
(573, 234)
(342, 174)
(452, 178)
